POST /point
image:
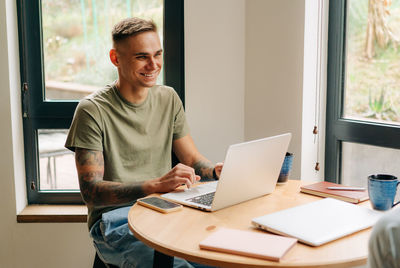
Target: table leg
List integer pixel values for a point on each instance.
(162, 260)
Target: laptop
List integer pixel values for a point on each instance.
(251, 169)
(319, 222)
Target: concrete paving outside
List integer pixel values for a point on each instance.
(60, 175)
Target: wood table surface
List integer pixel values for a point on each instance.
(179, 233)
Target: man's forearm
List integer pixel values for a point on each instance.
(98, 192)
(106, 193)
(205, 169)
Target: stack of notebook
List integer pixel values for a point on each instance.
(321, 189)
(247, 243)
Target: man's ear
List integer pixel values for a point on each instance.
(114, 57)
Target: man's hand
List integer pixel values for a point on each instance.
(188, 154)
(218, 169)
(179, 175)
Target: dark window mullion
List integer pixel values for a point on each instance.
(368, 133)
(31, 167)
(32, 60)
(335, 87)
(54, 109)
(50, 123)
(174, 55)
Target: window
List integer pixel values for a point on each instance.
(64, 57)
(363, 99)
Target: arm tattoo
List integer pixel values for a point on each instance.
(94, 190)
(204, 169)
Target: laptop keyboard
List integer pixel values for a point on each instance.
(205, 199)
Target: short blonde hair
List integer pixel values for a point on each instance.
(130, 27)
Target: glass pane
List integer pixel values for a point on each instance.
(372, 87)
(359, 161)
(77, 39)
(57, 169)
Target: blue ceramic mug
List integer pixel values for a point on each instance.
(382, 190)
(286, 168)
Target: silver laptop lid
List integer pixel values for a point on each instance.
(251, 169)
(319, 222)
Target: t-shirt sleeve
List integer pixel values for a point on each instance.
(85, 131)
(181, 127)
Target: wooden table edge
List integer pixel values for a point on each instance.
(187, 255)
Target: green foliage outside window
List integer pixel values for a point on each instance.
(77, 36)
(372, 89)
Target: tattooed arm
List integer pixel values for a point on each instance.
(98, 192)
(95, 191)
(188, 154)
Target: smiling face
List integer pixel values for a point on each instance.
(139, 60)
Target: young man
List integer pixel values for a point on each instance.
(384, 243)
(123, 136)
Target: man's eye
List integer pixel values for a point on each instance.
(141, 57)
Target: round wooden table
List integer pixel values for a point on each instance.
(179, 233)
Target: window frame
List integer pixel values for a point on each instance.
(339, 129)
(57, 114)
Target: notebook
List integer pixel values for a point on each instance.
(251, 169)
(321, 189)
(319, 222)
(247, 243)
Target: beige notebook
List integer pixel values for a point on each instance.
(251, 244)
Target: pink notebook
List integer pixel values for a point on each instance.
(251, 244)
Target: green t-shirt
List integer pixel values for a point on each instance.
(136, 140)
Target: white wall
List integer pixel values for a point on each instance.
(7, 208)
(274, 72)
(26, 245)
(244, 61)
(214, 74)
(249, 83)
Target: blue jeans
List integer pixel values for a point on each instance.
(115, 243)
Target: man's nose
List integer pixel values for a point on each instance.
(152, 64)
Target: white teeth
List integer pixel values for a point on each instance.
(148, 75)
